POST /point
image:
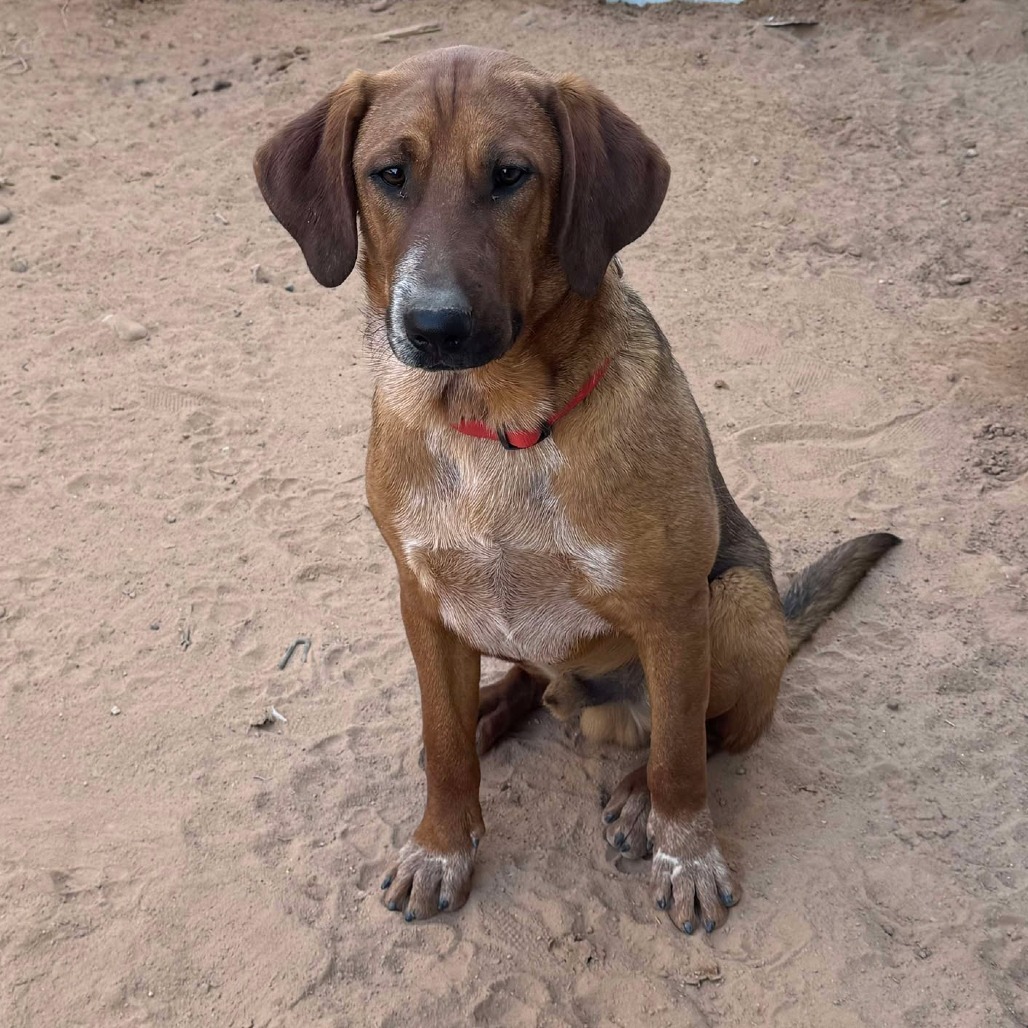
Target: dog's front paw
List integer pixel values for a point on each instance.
(689, 872)
(423, 882)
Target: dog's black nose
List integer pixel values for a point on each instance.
(437, 330)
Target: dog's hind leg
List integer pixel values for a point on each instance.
(749, 648)
(506, 703)
(753, 633)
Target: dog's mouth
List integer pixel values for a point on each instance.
(482, 346)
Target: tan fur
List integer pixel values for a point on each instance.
(622, 724)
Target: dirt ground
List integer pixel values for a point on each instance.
(840, 266)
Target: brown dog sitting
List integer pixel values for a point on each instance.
(537, 464)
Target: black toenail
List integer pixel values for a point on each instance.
(728, 899)
(662, 903)
(391, 905)
(708, 926)
(443, 904)
(687, 928)
(387, 881)
(619, 839)
(409, 916)
(609, 818)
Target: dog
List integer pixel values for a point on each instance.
(537, 464)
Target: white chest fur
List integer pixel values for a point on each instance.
(490, 539)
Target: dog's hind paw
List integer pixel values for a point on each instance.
(625, 817)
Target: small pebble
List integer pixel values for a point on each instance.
(893, 705)
(155, 626)
(720, 383)
(971, 152)
(19, 264)
(960, 279)
(126, 329)
(290, 288)
(5, 214)
(220, 84)
(380, 5)
(170, 518)
(259, 274)
(740, 770)
(115, 711)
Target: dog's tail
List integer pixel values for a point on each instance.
(817, 590)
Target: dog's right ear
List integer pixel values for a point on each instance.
(305, 174)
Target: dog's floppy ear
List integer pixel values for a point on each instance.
(612, 184)
(305, 174)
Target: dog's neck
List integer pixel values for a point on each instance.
(548, 365)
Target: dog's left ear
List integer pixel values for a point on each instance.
(305, 173)
(613, 181)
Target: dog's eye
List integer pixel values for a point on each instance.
(505, 176)
(393, 176)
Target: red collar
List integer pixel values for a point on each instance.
(523, 439)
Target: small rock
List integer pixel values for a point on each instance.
(290, 288)
(259, 274)
(220, 84)
(5, 214)
(3, 613)
(889, 930)
(380, 5)
(971, 152)
(741, 770)
(720, 383)
(965, 216)
(155, 626)
(126, 329)
(924, 953)
(893, 705)
(960, 279)
(170, 518)
(115, 711)
(755, 160)
(19, 264)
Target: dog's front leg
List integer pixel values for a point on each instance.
(688, 868)
(433, 871)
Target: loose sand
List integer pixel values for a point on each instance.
(169, 864)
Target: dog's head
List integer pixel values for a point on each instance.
(484, 190)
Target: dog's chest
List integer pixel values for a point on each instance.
(491, 541)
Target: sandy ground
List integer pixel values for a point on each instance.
(177, 509)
